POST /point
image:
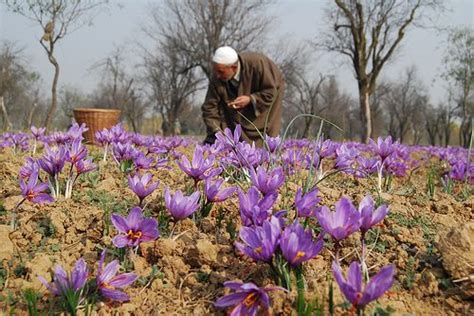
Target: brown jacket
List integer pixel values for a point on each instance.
(259, 77)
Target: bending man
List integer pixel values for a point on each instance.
(246, 89)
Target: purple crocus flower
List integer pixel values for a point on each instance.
(344, 221)
(460, 171)
(27, 169)
(260, 242)
(34, 191)
(200, 167)
(84, 165)
(134, 229)
(294, 159)
(247, 299)
(37, 132)
(76, 131)
(383, 147)
(53, 160)
(109, 283)
(297, 244)
(366, 166)
(213, 192)
(352, 286)
(273, 143)
(181, 206)
(142, 186)
(306, 205)
(124, 151)
(76, 152)
(142, 162)
(267, 182)
(369, 216)
(253, 210)
(63, 283)
(227, 139)
(326, 148)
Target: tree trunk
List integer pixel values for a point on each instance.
(365, 113)
(465, 131)
(52, 109)
(30, 115)
(7, 124)
(307, 124)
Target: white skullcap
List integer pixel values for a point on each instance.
(225, 55)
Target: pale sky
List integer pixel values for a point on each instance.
(298, 19)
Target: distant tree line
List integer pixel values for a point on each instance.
(174, 68)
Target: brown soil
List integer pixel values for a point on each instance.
(193, 264)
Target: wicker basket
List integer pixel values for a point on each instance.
(96, 120)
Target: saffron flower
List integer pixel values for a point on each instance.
(383, 147)
(253, 210)
(200, 167)
(229, 139)
(134, 229)
(53, 160)
(37, 132)
(306, 205)
(63, 283)
(28, 168)
(344, 221)
(77, 151)
(260, 242)
(267, 182)
(34, 191)
(213, 192)
(109, 283)
(181, 206)
(248, 298)
(142, 186)
(352, 286)
(297, 244)
(84, 165)
(273, 143)
(369, 216)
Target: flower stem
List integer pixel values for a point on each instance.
(300, 300)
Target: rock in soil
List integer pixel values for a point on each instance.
(457, 250)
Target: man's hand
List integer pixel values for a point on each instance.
(239, 102)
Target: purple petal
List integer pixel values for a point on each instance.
(354, 276)
(233, 285)
(134, 217)
(231, 299)
(120, 223)
(114, 295)
(378, 285)
(120, 241)
(123, 280)
(110, 270)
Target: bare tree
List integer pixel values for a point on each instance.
(402, 103)
(18, 86)
(57, 18)
(119, 88)
(337, 106)
(446, 114)
(198, 27)
(308, 99)
(170, 82)
(368, 33)
(69, 98)
(431, 119)
(459, 71)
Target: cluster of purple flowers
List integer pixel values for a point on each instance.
(72, 290)
(134, 229)
(54, 160)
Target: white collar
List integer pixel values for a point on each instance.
(237, 73)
